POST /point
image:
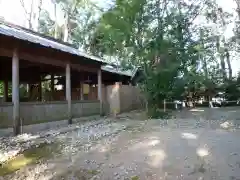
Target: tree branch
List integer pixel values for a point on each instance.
(23, 6)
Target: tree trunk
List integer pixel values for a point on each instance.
(223, 67)
(38, 13)
(55, 24)
(238, 8)
(36, 16)
(30, 23)
(28, 14)
(66, 28)
(201, 57)
(205, 68)
(222, 57)
(229, 65)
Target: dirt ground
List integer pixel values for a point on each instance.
(201, 144)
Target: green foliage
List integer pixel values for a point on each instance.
(232, 89)
(1, 88)
(179, 58)
(46, 24)
(158, 37)
(135, 178)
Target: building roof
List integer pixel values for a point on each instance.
(24, 34)
(115, 70)
(18, 32)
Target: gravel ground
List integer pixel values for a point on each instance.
(201, 144)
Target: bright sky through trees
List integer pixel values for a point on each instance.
(15, 14)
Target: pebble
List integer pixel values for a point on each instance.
(111, 165)
(75, 139)
(11, 146)
(95, 177)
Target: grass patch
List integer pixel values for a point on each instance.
(135, 178)
(28, 157)
(75, 173)
(93, 172)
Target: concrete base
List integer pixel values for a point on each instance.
(35, 128)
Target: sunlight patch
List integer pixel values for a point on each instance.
(25, 137)
(226, 125)
(189, 136)
(202, 152)
(153, 143)
(153, 137)
(197, 110)
(11, 153)
(145, 144)
(101, 148)
(138, 146)
(156, 157)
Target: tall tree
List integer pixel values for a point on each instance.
(32, 13)
(159, 36)
(70, 9)
(55, 19)
(221, 19)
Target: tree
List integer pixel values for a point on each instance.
(70, 9)
(32, 13)
(141, 32)
(46, 24)
(179, 57)
(221, 19)
(55, 19)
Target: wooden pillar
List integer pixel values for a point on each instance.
(81, 91)
(15, 93)
(5, 90)
(68, 92)
(100, 91)
(28, 90)
(89, 92)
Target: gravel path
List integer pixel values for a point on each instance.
(197, 144)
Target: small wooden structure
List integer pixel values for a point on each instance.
(31, 60)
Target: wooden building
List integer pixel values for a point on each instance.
(72, 80)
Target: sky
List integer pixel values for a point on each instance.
(15, 14)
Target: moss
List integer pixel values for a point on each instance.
(135, 178)
(76, 173)
(93, 172)
(29, 156)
